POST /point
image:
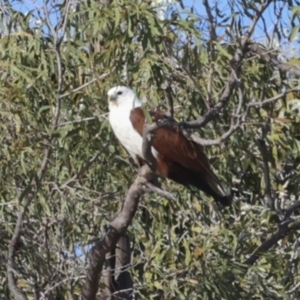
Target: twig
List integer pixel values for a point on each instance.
(110, 239)
(84, 85)
(290, 210)
(79, 174)
(285, 226)
(82, 120)
(236, 121)
(169, 97)
(213, 37)
(152, 188)
(266, 171)
(271, 59)
(273, 240)
(242, 119)
(32, 187)
(278, 18)
(275, 98)
(212, 29)
(233, 78)
(49, 24)
(220, 140)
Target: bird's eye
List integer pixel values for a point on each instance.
(119, 93)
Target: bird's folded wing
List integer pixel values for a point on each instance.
(174, 147)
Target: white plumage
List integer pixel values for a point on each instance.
(121, 101)
(177, 165)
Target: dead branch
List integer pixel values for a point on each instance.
(116, 228)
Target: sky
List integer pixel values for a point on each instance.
(27, 5)
(269, 15)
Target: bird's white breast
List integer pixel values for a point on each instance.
(119, 118)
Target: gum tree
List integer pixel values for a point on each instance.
(69, 191)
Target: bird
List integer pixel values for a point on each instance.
(177, 157)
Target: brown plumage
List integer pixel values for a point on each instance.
(181, 159)
(178, 158)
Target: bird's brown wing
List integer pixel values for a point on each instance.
(174, 147)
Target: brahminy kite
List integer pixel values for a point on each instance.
(177, 157)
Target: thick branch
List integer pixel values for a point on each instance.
(117, 227)
(118, 280)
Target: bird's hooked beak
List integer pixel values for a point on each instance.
(112, 98)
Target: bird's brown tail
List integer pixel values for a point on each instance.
(209, 183)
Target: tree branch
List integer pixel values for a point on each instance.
(80, 173)
(82, 120)
(272, 59)
(234, 76)
(101, 77)
(285, 226)
(169, 97)
(269, 194)
(116, 228)
(32, 186)
(118, 280)
(236, 120)
(275, 98)
(220, 140)
(149, 187)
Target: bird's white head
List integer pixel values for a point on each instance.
(122, 96)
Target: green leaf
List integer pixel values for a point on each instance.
(294, 32)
